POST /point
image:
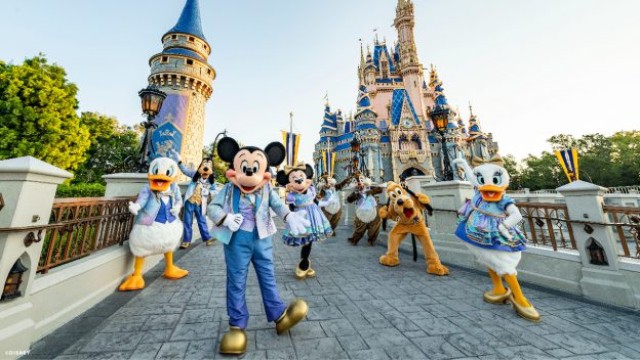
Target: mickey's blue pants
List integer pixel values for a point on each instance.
(246, 247)
(189, 210)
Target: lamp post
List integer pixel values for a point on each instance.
(440, 117)
(223, 133)
(151, 100)
(11, 288)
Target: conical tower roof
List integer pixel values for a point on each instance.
(189, 21)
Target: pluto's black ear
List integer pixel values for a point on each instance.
(282, 178)
(275, 153)
(227, 149)
(308, 171)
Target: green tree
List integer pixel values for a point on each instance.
(511, 165)
(112, 145)
(542, 172)
(38, 114)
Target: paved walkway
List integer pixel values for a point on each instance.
(358, 309)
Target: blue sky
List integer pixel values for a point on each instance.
(531, 69)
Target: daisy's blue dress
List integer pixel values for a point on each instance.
(319, 228)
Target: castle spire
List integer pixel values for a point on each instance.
(189, 21)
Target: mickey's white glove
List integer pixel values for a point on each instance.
(505, 232)
(233, 222)
(175, 210)
(134, 208)
(298, 223)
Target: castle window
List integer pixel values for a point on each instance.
(191, 38)
(209, 71)
(416, 142)
(165, 59)
(189, 62)
(173, 37)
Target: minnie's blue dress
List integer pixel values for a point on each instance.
(318, 230)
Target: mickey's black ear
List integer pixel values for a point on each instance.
(282, 178)
(227, 149)
(309, 171)
(275, 153)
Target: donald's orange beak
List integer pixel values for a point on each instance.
(159, 182)
(492, 193)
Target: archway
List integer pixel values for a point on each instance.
(411, 172)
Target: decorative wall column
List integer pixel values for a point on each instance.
(28, 187)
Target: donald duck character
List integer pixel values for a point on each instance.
(242, 222)
(156, 228)
(199, 190)
(487, 225)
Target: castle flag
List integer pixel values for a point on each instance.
(568, 159)
(291, 144)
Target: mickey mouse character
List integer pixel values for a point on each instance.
(366, 219)
(243, 223)
(302, 197)
(200, 188)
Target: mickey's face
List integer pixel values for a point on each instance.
(298, 181)
(249, 165)
(249, 171)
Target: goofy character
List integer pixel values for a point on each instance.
(366, 219)
(241, 213)
(196, 198)
(487, 225)
(156, 229)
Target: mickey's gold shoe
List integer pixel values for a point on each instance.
(530, 313)
(185, 245)
(234, 342)
(492, 298)
(311, 272)
(295, 312)
(210, 242)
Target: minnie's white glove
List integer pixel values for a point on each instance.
(297, 222)
(233, 221)
(134, 208)
(175, 210)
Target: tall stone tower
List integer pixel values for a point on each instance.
(181, 70)
(410, 67)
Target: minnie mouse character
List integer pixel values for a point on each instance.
(302, 197)
(200, 189)
(243, 223)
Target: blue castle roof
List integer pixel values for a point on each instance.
(397, 101)
(377, 51)
(330, 121)
(189, 21)
(441, 100)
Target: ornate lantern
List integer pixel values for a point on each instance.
(440, 117)
(596, 253)
(12, 285)
(151, 99)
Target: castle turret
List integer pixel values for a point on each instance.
(181, 70)
(410, 66)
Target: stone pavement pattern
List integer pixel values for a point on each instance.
(358, 309)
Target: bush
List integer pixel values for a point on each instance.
(80, 190)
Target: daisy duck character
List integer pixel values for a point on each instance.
(157, 228)
(301, 197)
(329, 199)
(367, 218)
(199, 191)
(487, 225)
(242, 222)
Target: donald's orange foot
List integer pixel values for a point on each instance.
(437, 268)
(174, 272)
(133, 282)
(389, 261)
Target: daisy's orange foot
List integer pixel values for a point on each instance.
(133, 282)
(437, 269)
(174, 272)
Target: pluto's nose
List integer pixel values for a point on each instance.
(400, 201)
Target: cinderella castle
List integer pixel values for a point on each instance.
(403, 125)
